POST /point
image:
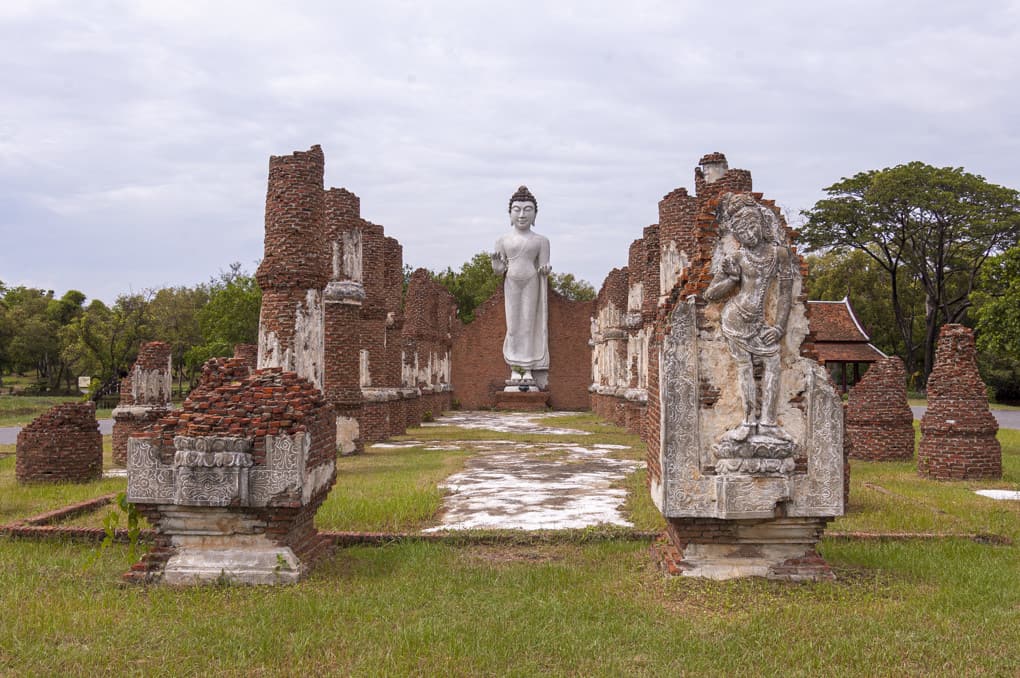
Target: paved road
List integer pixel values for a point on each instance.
(1006, 418)
(9, 434)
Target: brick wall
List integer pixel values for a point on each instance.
(878, 418)
(958, 431)
(479, 371)
(61, 445)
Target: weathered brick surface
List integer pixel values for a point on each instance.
(479, 371)
(294, 255)
(249, 353)
(144, 396)
(879, 422)
(61, 445)
(958, 431)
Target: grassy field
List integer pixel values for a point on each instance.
(570, 607)
(19, 410)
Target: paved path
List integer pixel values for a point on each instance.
(9, 434)
(532, 486)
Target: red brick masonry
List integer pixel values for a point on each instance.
(958, 431)
(61, 445)
(879, 422)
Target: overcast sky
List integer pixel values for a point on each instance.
(135, 136)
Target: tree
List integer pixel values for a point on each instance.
(997, 311)
(174, 312)
(572, 288)
(935, 226)
(230, 317)
(476, 281)
(473, 284)
(106, 339)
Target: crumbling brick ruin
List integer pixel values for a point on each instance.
(622, 326)
(232, 481)
(249, 354)
(652, 319)
(144, 396)
(958, 431)
(879, 422)
(61, 445)
(333, 308)
(430, 314)
(479, 371)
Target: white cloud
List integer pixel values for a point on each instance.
(128, 124)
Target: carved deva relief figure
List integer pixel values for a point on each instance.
(524, 256)
(753, 331)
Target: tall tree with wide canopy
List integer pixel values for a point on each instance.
(933, 225)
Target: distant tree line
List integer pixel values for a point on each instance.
(56, 339)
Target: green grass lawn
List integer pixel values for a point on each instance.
(20, 410)
(569, 607)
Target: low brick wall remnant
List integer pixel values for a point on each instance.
(61, 445)
(879, 422)
(958, 430)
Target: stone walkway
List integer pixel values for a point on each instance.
(531, 486)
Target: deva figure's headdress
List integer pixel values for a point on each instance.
(732, 204)
(522, 195)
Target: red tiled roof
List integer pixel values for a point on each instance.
(847, 352)
(835, 321)
(839, 337)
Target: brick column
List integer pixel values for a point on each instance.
(958, 431)
(295, 267)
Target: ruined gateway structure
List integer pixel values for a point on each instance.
(707, 331)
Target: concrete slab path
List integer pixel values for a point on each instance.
(533, 486)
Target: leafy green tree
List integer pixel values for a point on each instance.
(471, 285)
(105, 340)
(935, 226)
(572, 288)
(174, 313)
(231, 316)
(476, 281)
(997, 312)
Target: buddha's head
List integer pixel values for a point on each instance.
(523, 208)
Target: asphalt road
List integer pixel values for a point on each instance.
(9, 434)
(1006, 418)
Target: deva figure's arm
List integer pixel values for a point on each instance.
(499, 258)
(543, 257)
(785, 275)
(726, 279)
(784, 300)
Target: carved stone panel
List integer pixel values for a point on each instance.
(680, 441)
(284, 472)
(149, 480)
